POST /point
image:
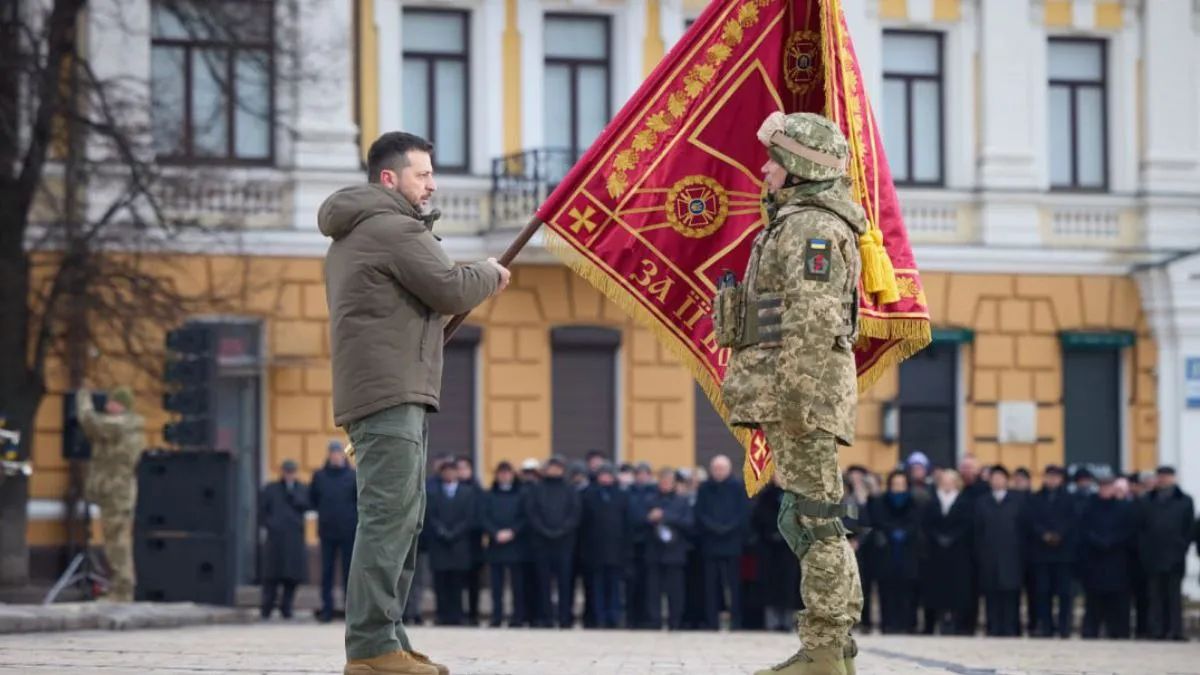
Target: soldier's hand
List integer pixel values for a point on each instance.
(505, 274)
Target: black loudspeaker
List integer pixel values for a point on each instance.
(190, 491)
(181, 567)
(75, 444)
(185, 527)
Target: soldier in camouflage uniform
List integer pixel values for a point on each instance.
(117, 440)
(792, 325)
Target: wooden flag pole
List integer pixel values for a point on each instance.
(509, 255)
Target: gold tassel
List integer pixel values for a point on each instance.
(879, 277)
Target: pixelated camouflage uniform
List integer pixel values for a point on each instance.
(117, 443)
(796, 378)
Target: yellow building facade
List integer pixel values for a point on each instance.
(1023, 280)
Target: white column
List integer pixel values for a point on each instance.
(1010, 48)
(1171, 126)
(389, 16)
(487, 86)
(530, 21)
(1124, 49)
(670, 15)
(1171, 300)
(325, 148)
(960, 52)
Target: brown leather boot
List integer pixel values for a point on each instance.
(396, 663)
(442, 670)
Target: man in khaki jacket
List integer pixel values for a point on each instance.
(389, 285)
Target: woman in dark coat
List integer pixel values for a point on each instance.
(946, 561)
(450, 518)
(999, 554)
(895, 518)
(281, 512)
(778, 563)
(503, 520)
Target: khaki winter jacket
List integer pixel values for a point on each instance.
(389, 284)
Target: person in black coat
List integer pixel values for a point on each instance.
(1165, 534)
(641, 492)
(1052, 517)
(947, 561)
(895, 518)
(999, 554)
(334, 495)
(1106, 533)
(474, 577)
(450, 517)
(721, 514)
(858, 491)
(503, 520)
(605, 528)
(281, 511)
(553, 511)
(777, 563)
(669, 520)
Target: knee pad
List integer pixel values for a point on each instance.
(800, 538)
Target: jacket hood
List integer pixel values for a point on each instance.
(347, 208)
(836, 198)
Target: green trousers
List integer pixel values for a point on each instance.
(390, 449)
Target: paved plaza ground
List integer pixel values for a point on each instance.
(306, 647)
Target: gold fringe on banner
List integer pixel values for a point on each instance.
(603, 282)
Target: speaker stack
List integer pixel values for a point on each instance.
(185, 528)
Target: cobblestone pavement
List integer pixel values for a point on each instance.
(311, 648)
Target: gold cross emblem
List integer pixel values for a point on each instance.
(583, 220)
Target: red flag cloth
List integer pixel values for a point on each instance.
(670, 196)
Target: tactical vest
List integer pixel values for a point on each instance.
(792, 336)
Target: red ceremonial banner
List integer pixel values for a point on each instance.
(670, 196)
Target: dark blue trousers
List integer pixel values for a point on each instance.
(331, 548)
(1053, 580)
(554, 563)
(516, 577)
(606, 595)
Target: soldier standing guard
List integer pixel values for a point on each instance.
(117, 440)
(792, 327)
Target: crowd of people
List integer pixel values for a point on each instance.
(556, 544)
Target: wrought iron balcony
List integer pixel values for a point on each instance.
(522, 181)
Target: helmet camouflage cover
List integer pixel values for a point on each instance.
(808, 145)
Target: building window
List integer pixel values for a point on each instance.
(436, 57)
(713, 437)
(452, 429)
(584, 389)
(212, 81)
(577, 81)
(929, 404)
(1078, 125)
(912, 95)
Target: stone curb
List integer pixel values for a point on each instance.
(115, 616)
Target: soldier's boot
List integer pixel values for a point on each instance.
(442, 670)
(850, 652)
(826, 661)
(395, 663)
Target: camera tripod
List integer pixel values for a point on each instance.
(83, 570)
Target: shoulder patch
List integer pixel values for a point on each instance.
(818, 261)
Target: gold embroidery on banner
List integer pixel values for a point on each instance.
(690, 87)
(697, 206)
(909, 288)
(801, 58)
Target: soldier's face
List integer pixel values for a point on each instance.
(113, 407)
(774, 175)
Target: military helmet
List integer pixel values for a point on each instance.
(808, 145)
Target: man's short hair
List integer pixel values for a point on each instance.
(999, 468)
(390, 151)
(1166, 471)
